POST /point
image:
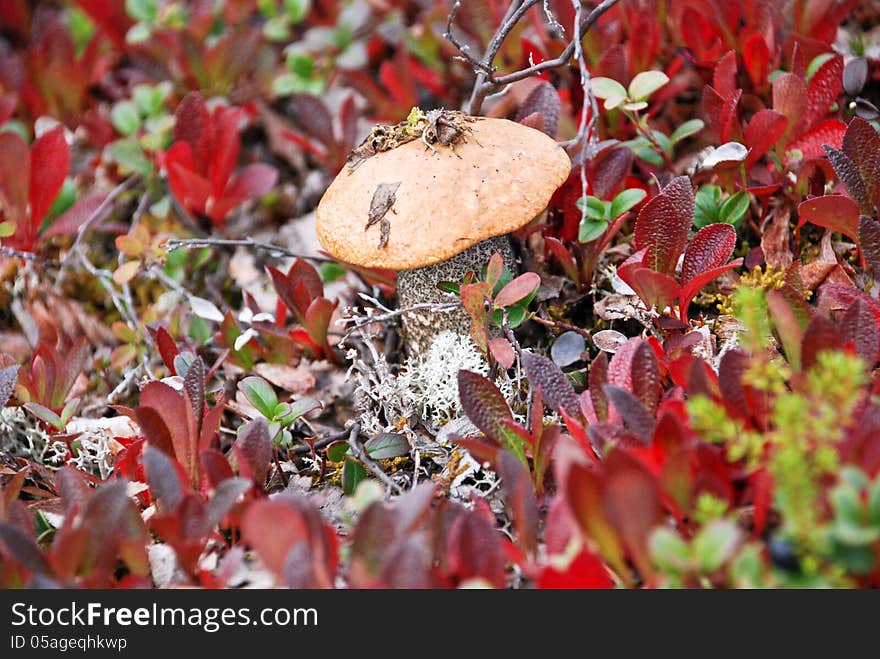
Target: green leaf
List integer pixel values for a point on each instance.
(625, 200)
(716, 543)
(596, 208)
(516, 316)
(45, 415)
(7, 229)
(589, 229)
(277, 28)
(734, 208)
(685, 130)
(68, 411)
(643, 150)
(706, 203)
(874, 503)
(387, 445)
(610, 90)
(635, 107)
(260, 394)
(297, 9)
(130, 156)
(645, 84)
(669, 551)
(150, 99)
(331, 271)
(337, 450)
(125, 118)
(353, 472)
(144, 11)
(817, 63)
(65, 199)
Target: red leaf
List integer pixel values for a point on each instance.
(689, 290)
(517, 289)
(724, 77)
(73, 218)
(494, 269)
(167, 349)
(663, 223)
(823, 89)
(273, 528)
(317, 323)
(165, 478)
(764, 131)
(827, 133)
(630, 409)
(598, 377)
(50, 161)
(192, 125)
(584, 571)
(558, 250)
(710, 248)
(224, 147)
(835, 212)
(757, 58)
(502, 351)
(654, 288)
(789, 99)
(15, 175)
(762, 498)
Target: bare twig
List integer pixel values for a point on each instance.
(558, 324)
(27, 256)
(357, 322)
(359, 453)
(487, 80)
(193, 243)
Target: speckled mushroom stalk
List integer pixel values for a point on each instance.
(419, 285)
(433, 214)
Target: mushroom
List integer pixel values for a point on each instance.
(435, 212)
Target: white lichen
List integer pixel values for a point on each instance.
(425, 389)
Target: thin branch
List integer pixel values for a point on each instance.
(194, 243)
(27, 256)
(487, 81)
(357, 322)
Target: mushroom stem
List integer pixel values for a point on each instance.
(419, 285)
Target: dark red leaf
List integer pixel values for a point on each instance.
(23, 549)
(164, 478)
(654, 288)
(520, 497)
(790, 99)
(861, 143)
(253, 451)
(555, 386)
(474, 551)
(483, 404)
(15, 175)
(710, 248)
(73, 218)
(848, 172)
(192, 126)
(860, 327)
(869, 241)
(311, 115)
(608, 171)
(635, 417)
(820, 334)
(646, 384)
(544, 101)
(598, 377)
(663, 223)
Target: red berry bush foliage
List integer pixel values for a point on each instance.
(677, 384)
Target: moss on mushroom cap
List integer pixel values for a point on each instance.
(447, 201)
